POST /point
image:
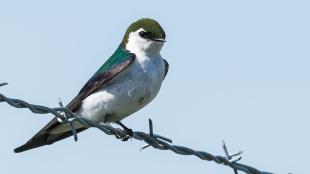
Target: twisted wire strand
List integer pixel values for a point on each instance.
(154, 140)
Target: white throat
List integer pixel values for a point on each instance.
(141, 46)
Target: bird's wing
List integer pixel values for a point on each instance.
(166, 68)
(119, 61)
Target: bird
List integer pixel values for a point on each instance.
(129, 80)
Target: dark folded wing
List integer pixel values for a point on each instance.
(166, 68)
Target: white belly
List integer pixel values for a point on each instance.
(132, 89)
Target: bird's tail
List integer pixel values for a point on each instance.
(36, 141)
(45, 137)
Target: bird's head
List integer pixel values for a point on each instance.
(144, 36)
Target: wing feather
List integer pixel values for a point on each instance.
(166, 68)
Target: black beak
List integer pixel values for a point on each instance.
(158, 40)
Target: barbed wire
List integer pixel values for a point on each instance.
(151, 139)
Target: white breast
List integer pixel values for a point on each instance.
(132, 89)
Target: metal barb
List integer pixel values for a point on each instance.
(73, 131)
(230, 157)
(144, 147)
(151, 134)
(151, 127)
(3, 83)
(155, 141)
(226, 151)
(60, 102)
(70, 121)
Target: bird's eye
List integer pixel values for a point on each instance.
(145, 35)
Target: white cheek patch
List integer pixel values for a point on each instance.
(135, 43)
(140, 46)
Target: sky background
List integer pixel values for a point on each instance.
(239, 72)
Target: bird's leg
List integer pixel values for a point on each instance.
(129, 131)
(119, 134)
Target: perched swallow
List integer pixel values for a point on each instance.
(125, 83)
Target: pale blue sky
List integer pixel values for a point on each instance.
(239, 71)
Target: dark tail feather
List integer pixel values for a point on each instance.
(44, 139)
(33, 143)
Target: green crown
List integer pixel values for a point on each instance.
(149, 25)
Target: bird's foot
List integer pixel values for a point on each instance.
(124, 135)
(127, 132)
